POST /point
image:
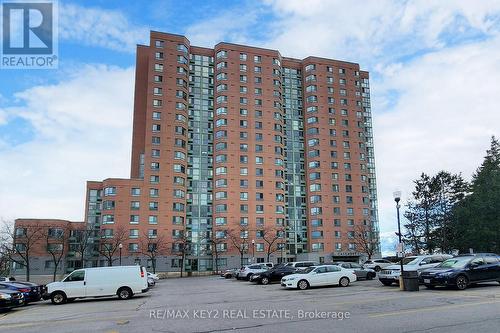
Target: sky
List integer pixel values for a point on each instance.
(434, 78)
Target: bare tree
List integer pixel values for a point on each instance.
(272, 237)
(20, 241)
(216, 242)
(152, 247)
(181, 246)
(239, 240)
(56, 239)
(364, 240)
(5, 249)
(83, 242)
(109, 244)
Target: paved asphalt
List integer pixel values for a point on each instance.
(212, 304)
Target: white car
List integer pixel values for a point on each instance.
(323, 275)
(377, 264)
(153, 276)
(122, 281)
(246, 272)
(301, 264)
(390, 274)
(7, 279)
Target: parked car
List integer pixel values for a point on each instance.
(153, 276)
(360, 271)
(30, 291)
(229, 273)
(151, 282)
(273, 275)
(377, 264)
(319, 276)
(390, 274)
(462, 271)
(301, 264)
(123, 281)
(246, 272)
(7, 279)
(36, 292)
(10, 299)
(268, 264)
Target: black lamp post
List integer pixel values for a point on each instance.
(120, 246)
(253, 251)
(397, 198)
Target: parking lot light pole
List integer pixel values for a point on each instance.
(253, 250)
(397, 198)
(120, 246)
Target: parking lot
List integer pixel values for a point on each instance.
(213, 304)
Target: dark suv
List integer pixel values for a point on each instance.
(463, 270)
(273, 275)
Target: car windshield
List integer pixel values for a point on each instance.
(455, 262)
(410, 261)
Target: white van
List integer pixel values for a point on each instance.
(123, 281)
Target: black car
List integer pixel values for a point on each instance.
(30, 291)
(10, 299)
(463, 270)
(36, 292)
(273, 275)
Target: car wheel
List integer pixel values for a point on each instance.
(249, 276)
(377, 269)
(265, 280)
(124, 293)
(228, 276)
(461, 282)
(303, 285)
(58, 297)
(344, 282)
(429, 286)
(386, 283)
(370, 276)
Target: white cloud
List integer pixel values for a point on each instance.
(229, 26)
(82, 128)
(365, 31)
(98, 27)
(446, 112)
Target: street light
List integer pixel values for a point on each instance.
(253, 250)
(120, 246)
(397, 198)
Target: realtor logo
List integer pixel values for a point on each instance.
(29, 34)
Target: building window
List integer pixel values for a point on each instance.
(133, 233)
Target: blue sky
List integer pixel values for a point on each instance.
(434, 66)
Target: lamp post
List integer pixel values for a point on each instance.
(253, 250)
(397, 198)
(120, 246)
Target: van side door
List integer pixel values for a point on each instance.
(75, 285)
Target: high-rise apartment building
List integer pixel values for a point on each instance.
(242, 154)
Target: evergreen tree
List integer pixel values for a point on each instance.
(421, 214)
(449, 190)
(477, 217)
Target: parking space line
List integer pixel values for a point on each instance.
(432, 308)
(57, 321)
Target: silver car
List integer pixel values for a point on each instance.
(390, 274)
(360, 271)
